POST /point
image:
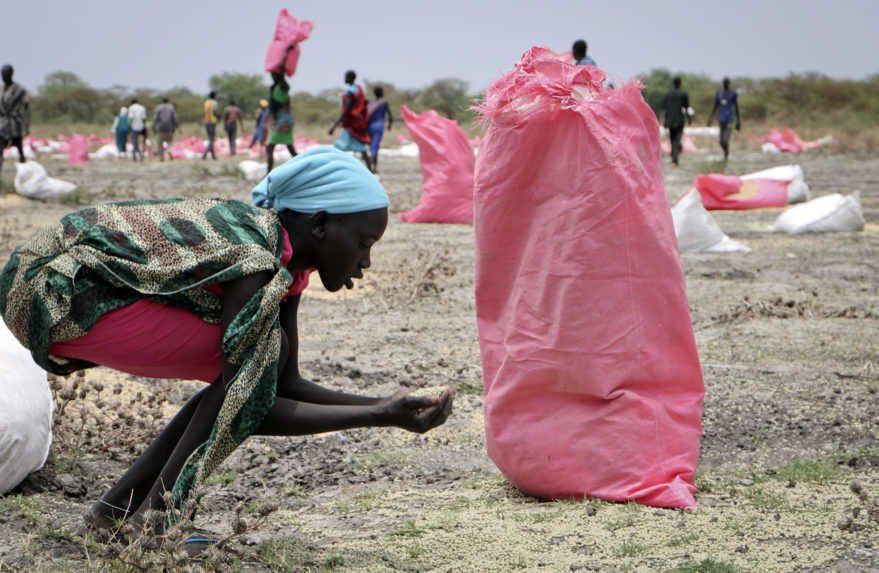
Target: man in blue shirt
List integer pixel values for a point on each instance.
(726, 105)
(579, 52)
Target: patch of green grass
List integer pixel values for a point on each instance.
(78, 196)
(599, 503)
(630, 548)
(706, 167)
(409, 529)
(294, 490)
(222, 478)
(820, 471)
(415, 550)
(621, 523)
(685, 539)
(369, 500)
(25, 507)
(519, 563)
(465, 387)
(59, 534)
(382, 459)
(6, 188)
(706, 566)
(293, 555)
(473, 483)
(764, 499)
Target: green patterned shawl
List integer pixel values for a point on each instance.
(58, 284)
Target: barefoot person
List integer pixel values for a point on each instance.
(355, 136)
(280, 113)
(207, 289)
(15, 114)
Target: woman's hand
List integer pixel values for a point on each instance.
(416, 413)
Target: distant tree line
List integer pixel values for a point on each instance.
(796, 99)
(63, 97)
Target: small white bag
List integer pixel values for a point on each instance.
(32, 181)
(827, 214)
(25, 412)
(697, 231)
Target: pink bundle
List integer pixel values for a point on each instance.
(720, 191)
(288, 31)
(79, 150)
(788, 141)
(446, 167)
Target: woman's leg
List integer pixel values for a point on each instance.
(197, 431)
(126, 495)
(270, 156)
(367, 160)
(292, 150)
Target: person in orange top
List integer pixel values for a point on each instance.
(210, 124)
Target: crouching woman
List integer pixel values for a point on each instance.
(207, 289)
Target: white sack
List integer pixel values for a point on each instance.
(12, 152)
(253, 170)
(25, 412)
(408, 150)
(105, 151)
(697, 231)
(827, 214)
(32, 181)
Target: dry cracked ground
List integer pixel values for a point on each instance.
(788, 336)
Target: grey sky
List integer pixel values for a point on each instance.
(163, 43)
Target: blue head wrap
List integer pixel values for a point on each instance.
(321, 179)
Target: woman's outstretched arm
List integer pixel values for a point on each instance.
(291, 384)
(414, 413)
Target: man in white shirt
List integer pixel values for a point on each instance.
(137, 122)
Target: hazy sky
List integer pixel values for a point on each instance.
(164, 43)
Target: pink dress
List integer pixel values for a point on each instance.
(154, 340)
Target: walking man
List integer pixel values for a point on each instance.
(674, 108)
(15, 114)
(231, 120)
(165, 122)
(137, 124)
(210, 124)
(726, 105)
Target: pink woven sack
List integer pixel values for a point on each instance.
(288, 31)
(79, 150)
(592, 380)
(446, 167)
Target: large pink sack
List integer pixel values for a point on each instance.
(592, 381)
(720, 191)
(446, 166)
(288, 31)
(79, 150)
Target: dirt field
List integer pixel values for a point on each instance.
(788, 336)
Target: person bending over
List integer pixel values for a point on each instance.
(207, 289)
